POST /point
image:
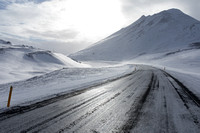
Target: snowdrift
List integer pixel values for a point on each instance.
(19, 62)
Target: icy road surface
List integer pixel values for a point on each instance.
(148, 100)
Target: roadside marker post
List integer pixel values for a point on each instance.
(9, 97)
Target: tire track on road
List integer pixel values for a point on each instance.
(92, 111)
(56, 116)
(186, 96)
(134, 112)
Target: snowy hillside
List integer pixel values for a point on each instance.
(167, 31)
(19, 62)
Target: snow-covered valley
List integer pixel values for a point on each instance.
(163, 50)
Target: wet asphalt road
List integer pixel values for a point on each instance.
(148, 100)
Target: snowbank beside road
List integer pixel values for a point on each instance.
(60, 81)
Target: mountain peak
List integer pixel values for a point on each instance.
(168, 30)
(172, 16)
(170, 12)
(173, 11)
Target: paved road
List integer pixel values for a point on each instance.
(148, 100)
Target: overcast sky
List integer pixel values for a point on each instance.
(67, 26)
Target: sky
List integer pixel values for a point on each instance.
(67, 26)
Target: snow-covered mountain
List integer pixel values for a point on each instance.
(19, 62)
(167, 31)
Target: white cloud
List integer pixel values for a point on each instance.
(65, 21)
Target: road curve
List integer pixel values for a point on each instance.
(148, 100)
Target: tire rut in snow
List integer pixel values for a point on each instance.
(187, 92)
(186, 96)
(134, 112)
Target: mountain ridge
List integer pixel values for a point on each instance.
(162, 32)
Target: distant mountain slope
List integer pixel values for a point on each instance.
(20, 62)
(5, 42)
(166, 31)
